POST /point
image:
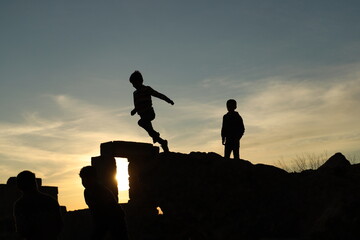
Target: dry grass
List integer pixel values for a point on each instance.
(303, 162)
(306, 161)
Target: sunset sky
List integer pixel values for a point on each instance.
(292, 65)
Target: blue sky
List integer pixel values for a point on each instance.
(292, 66)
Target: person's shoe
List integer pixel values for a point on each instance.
(164, 146)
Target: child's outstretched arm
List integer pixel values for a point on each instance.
(162, 97)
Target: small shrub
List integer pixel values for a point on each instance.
(303, 162)
(354, 158)
(307, 161)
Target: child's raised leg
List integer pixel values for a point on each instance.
(146, 124)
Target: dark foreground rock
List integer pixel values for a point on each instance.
(204, 196)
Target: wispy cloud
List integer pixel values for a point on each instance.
(314, 110)
(310, 111)
(56, 147)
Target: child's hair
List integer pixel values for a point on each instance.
(136, 77)
(231, 104)
(88, 172)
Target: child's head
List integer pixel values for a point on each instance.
(231, 105)
(136, 79)
(88, 176)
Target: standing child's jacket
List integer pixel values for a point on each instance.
(232, 126)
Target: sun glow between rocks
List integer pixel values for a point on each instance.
(122, 177)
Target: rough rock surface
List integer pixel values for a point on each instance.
(204, 196)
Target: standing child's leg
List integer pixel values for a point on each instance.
(227, 150)
(236, 149)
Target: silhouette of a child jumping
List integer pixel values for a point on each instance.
(232, 130)
(143, 107)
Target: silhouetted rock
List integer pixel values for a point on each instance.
(336, 163)
(77, 225)
(205, 196)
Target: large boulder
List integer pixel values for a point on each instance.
(335, 164)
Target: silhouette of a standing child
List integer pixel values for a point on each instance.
(143, 107)
(232, 130)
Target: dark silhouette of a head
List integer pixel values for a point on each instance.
(231, 105)
(88, 176)
(26, 181)
(136, 77)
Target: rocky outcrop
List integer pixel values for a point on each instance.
(204, 196)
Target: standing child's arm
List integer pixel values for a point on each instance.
(161, 96)
(223, 138)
